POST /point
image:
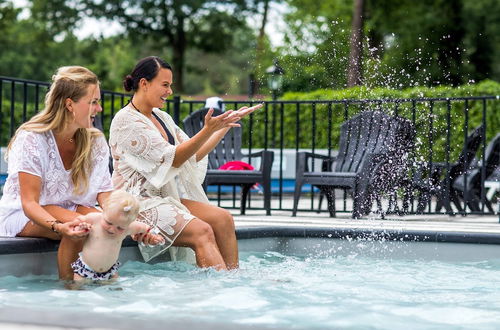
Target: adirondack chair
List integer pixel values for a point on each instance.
(393, 171)
(370, 160)
(430, 179)
(469, 186)
(229, 149)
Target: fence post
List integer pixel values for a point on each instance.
(177, 109)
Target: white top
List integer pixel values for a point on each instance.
(143, 166)
(143, 161)
(37, 154)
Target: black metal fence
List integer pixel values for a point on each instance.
(443, 127)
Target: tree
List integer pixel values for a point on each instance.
(421, 42)
(203, 24)
(259, 55)
(354, 72)
(29, 49)
(220, 74)
(405, 42)
(316, 44)
(482, 39)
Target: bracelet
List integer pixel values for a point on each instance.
(53, 226)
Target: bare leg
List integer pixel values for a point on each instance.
(222, 224)
(199, 236)
(68, 248)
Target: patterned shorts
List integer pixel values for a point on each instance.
(84, 270)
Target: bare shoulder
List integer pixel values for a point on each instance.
(92, 217)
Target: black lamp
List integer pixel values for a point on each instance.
(275, 78)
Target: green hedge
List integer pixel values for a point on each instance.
(323, 131)
(326, 132)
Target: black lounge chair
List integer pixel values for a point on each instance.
(469, 185)
(229, 149)
(433, 179)
(372, 159)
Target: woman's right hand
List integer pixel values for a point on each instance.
(224, 120)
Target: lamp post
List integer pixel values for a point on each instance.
(275, 78)
(275, 82)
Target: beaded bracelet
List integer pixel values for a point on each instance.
(53, 226)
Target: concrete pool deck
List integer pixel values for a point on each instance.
(486, 224)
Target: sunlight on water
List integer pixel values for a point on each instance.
(287, 291)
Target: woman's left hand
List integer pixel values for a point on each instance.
(75, 229)
(245, 111)
(148, 238)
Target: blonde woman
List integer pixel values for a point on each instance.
(154, 158)
(58, 167)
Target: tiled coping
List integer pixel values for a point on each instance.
(17, 245)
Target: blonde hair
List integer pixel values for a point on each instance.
(125, 202)
(68, 82)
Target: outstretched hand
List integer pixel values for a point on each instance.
(229, 118)
(245, 111)
(224, 120)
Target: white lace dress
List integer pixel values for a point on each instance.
(143, 166)
(37, 154)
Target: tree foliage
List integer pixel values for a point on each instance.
(408, 43)
(316, 44)
(35, 44)
(213, 49)
(190, 24)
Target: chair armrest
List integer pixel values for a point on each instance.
(371, 159)
(319, 156)
(304, 156)
(426, 175)
(256, 154)
(267, 157)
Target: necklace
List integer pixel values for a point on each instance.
(149, 115)
(70, 140)
(169, 135)
(132, 103)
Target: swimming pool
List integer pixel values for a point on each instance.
(288, 282)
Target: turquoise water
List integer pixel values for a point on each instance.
(329, 290)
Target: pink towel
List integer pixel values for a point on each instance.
(237, 165)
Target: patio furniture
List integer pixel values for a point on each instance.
(433, 179)
(468, 185)
(371, 160)
(229, 149)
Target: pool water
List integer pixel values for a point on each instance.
(332, 289)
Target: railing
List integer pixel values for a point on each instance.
(442, 125)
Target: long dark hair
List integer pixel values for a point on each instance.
(146, 68)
